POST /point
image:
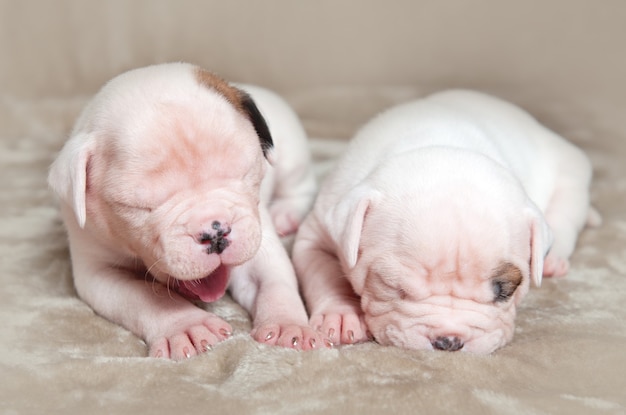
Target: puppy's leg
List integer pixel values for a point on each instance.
(292, 200)
(267, 287)
(294, 186)
(568, 210)
(333, 305)
(171, 326)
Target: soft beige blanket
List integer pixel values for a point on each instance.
(57, 357)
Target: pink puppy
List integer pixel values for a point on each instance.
(434, 222)
(167, 197)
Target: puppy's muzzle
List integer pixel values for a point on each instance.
(449, 344)
(216, 238)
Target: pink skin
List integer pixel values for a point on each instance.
(408, 289)
(142, 187)
(411, 290)
(439, 208)
(555, 266)
(334, 309)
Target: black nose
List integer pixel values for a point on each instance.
(216, 239)
(449, 344)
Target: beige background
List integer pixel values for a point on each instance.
(566, 47)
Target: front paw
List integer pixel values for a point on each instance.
(555, 266)
(189, 337)
(288, 335)
(288, 213)
(341, 328)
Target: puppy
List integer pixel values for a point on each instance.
(165, 193)
(435, 220)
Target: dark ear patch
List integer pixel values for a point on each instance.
(241, 101)
(505, 280)
(258, 121)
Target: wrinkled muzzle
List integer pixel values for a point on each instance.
(191, 240)
(475, 328)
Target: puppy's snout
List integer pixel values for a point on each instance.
(449, 344)
(216, 238)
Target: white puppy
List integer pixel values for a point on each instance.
(435, 220)
(165, 198)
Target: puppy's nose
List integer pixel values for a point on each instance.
(215, 238)
(449, 344)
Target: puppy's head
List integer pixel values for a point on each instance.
(441, 248)
(165, 166)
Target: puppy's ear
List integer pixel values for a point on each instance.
(540, 241)
(241, 100)
(249, 108)
(68, 174)
(345, 221)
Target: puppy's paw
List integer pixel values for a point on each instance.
(190, 338)
(285, 223)
(341, 328)
(555, 266)
(288, 335)
(288, 213)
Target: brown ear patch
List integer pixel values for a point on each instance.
(242, 103)
(211, 81)
(505, 280)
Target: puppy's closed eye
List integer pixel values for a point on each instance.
(505, 280)
(133, 206)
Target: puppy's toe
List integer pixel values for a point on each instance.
(288, 213)
(554, 266)
(267, 334)
(329, 325)
(159, 349)
(202, 338)
(181, 347)
(311, 339)
(290, 337)
(353, 329)
(285, 223)
(218, 327)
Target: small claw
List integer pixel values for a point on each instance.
(329, 343)
(206, 346)
(312, 343)
(331, 333)
(294, 341)
(159, 354)
(351, 336)
(225, 333)
(186, 352)
(269, 336)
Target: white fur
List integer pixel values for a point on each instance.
(431, 199)
(154, 160)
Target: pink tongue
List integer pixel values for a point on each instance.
(207, 289)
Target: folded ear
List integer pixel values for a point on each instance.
(540, 242)
(345, 221)
(244, 103)
(250, 109)
(68, 174)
